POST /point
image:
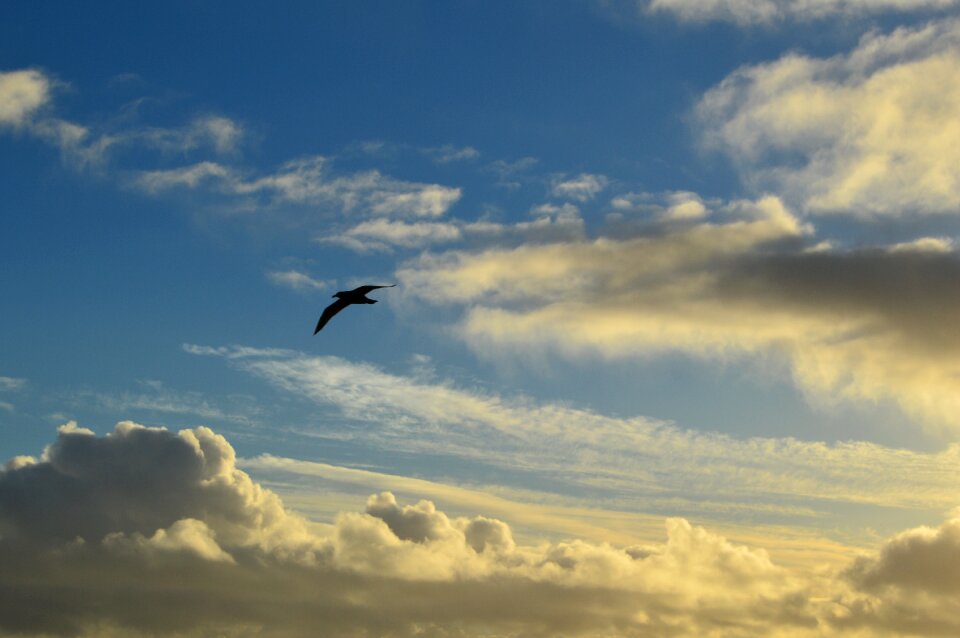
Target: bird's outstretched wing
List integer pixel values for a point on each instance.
(365, 289)
(328, 313)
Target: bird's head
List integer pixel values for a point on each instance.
(337, 295)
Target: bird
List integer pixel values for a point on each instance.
(344, 299)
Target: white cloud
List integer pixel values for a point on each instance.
(754, 12)
(22, 93)
(296, 280)
(383, 235)
(582, 188)
(309, 181)
(869, 133)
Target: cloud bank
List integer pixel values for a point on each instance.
(742, 282)
(148, 532)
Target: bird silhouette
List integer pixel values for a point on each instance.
(346, 298)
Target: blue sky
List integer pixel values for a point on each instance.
(655, 259)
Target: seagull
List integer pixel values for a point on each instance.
(344, 299)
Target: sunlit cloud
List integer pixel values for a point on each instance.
(309, 181)
(26, 105)
(869, 133)
(864, 325)
(662, 466)
(175, 506)
(22, 93)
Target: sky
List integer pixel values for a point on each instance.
(672, 349)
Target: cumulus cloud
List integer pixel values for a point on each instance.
(908, 587)
(765, 12)
(22, 93)
(149, 532)
(859, 325)
(868, 133)
(138, 510)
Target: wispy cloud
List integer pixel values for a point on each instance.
(26, 105)
(310, 181)
(12, 384)
(383, 235)
(156, 400)
(769, 12)
(296, 280)
(661, 466)
(582, 188)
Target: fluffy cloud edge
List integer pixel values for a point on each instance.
(256, 566)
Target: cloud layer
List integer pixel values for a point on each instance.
(740, 283)
(147, 532)
(588, 459)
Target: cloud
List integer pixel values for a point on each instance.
(22, 94)
(925, 245)
(864, 325)
(909, 586)
(220, 133)
(12, 384)
(146, 532)
(27, 95)
(870, 133)
(582, 454)
(308, 181)
(383, 235)
(510, 175)
(765, 12)
(582, 188)
(143, 521)
(550, 223)
(448, 153)
(158, 399)
(297, 280)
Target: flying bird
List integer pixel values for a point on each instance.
(344, 299)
